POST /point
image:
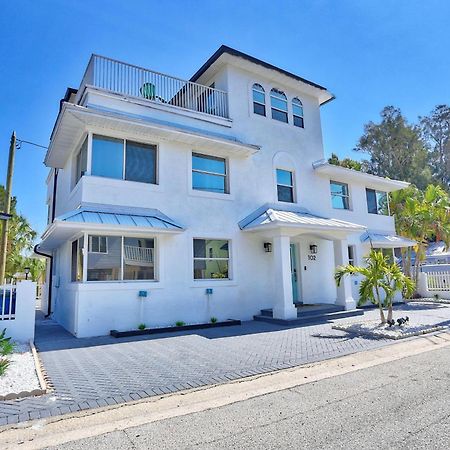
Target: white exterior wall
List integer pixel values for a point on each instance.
(94, 308)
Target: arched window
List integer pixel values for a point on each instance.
(278, 102)
(297, 112)
(259, 100)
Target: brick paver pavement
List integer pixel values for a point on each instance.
(93, 372)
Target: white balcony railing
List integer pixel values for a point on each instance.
(138, 255)
(134, 81)
(438, 281)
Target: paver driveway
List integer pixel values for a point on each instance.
(88, 373)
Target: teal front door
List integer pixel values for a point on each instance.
(294, 273)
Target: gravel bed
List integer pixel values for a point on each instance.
(443, 301)
(21, 374)
(376, 330)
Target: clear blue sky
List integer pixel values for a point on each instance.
(369, 53)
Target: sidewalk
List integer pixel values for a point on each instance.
(97, 372)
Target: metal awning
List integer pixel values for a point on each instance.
(384, 240)
(95, 218)
(276, 216)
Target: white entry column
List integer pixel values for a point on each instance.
(344, 291)
(283, 307)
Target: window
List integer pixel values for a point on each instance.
(297, 112)
(285, 186)
(377, 202)
(278, 102)
(81, 161)
(98, 244)
(340, 198)
(351, 255)
(209, 174)
(112, 258)
(259, 100)
(123, 160)
(211, 259)
(77, 260)
(138, 259)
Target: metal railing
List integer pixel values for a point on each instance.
(8, 302)
(138, 255)
(438, 281)
(134, 81)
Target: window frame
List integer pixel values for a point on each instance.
(376, 191)
(294, 116)
(275, 90)
(226, 175)
(352, 252)
(292, 186)
(229, 260)
(349, 208)
(99, 236)
(83, 144)
(263, 92)
(80, 245)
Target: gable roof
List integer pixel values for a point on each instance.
(231, 51)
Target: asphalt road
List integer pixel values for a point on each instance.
(401, 405)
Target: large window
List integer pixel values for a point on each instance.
(209, 174)
(211, 259)
(340, 198)
(81, 161)
(124, 160)
(297, 112)
(77, 260)
(259, 100)
(377, 202)
(279, 106)
(112, 258)
(285, 186)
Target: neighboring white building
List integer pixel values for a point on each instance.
(161, 190)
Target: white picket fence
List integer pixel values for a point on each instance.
(438, 281)
(17, 310)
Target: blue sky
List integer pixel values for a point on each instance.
(368, 53)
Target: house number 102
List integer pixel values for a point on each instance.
(312, 257)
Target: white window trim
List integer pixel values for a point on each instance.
(388, 201)
(278, 109)
(348, 196)
(207, 281)
(294, 190)
(259, 103)
(99, 236)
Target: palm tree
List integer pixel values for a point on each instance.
(380, 276)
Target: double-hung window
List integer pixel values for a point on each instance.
(211, 259)
(259, 100)
(209, 173)
(340, 198)
(81, 161)
(279, 106)
(285, 186)
(123, 159)
(377, 202)
(297, 112)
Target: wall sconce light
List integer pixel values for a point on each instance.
(313, 249)
(267, 247)
(27, 272)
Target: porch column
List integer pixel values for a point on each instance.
(344, 291)
(283, 307)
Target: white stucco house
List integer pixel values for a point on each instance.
(180, 200)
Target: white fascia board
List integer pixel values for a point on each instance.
(344, 174)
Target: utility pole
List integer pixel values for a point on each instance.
(8, 188)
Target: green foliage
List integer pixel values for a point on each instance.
(380, 276)
(213, 319)
(348, 163)
(396, 149)
(141, 326)
(6, 348)
(179, 323)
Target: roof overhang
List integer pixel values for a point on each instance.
(74, 120)
(227, 55)
(339, 173)
(294, 220)
(91, 218)
(380, 239)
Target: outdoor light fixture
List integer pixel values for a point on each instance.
(267, 247)
(27, 271)
(313, 249)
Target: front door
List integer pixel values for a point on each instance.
(294, 273)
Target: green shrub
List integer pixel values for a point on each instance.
(6, 348)
(179, 323)
(4, 364)
(142, 326)
(213, 319)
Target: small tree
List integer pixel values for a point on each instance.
(379, 276)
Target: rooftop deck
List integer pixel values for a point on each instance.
(137, 82)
